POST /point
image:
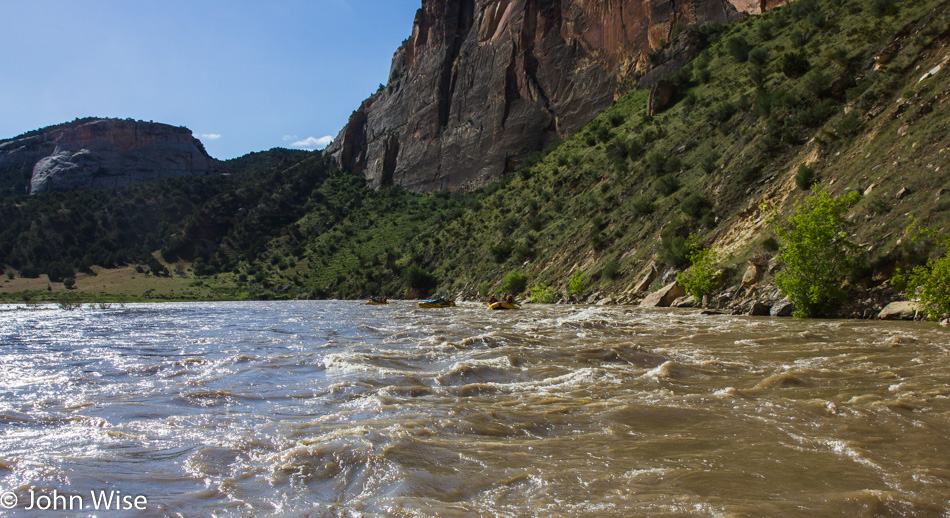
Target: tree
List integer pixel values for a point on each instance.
(701, 277)
(515, 283)
(577, 283)
(542, 294)
(817, 253)
(930, 284)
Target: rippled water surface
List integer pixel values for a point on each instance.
(341, 409)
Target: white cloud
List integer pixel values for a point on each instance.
(288, 138)
(210, 136)
(313, 142)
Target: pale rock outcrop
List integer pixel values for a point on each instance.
(664, 297)
(903, 310)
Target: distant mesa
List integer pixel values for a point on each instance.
(100, 153)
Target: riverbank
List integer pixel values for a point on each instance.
(755, 296)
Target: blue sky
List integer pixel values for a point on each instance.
(242, 75)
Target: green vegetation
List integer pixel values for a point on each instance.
(702, 276)
(514, 283)
(818, 253)
(929, 284)
(577, 283)
(542, 294)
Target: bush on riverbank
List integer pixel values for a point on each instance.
(930, 284)
(817, 252)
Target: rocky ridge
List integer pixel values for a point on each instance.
(482, 84)
(102, 153)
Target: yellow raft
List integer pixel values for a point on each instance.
(503, 305)
(374, 303)
(437, 304)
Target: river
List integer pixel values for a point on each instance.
(342, 409)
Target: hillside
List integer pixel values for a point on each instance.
(856, 91)
(834, 85)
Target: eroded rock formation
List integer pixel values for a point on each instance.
(481, 84)
(101, 153)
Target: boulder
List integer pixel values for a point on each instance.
(782, 309)
(660, 96)
(759, 309)
(752, 275)
(686, 301)
(647, 279)
(903, 310)
(664, 297)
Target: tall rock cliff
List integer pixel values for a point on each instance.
(481, 84)
(101, 153)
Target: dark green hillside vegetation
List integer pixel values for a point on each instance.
(826, 93)
(60, 234)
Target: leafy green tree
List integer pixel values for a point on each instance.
(577, 283)
(542, 294)
(514, 282)
(817, 252)
(930, 284)
(702, 276)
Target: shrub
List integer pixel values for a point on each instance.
(502, 251)
(817, 253)
(805, 177)
(758, 56)
(701, 277)
(514, 283)
(795, 64)
(882, 8)
(666, 185)
(616, 119)
(577, 283)
(69, 282)
(542, 294)
(849, 125)
(643, 206)
(674, 244)
(420, 279)
(738, 48)
(696, 206)
(611, 269)
(930, 284)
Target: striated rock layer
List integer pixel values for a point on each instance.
(102, 153)
(481, 84)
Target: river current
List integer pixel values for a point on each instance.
(342, 409)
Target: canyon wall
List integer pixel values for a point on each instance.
(481, 84)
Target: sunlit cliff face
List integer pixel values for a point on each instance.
(480, 84)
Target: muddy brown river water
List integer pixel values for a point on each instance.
(342, 409)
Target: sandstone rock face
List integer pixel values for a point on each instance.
(482, 84)
(756, 6)
(103, 153)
